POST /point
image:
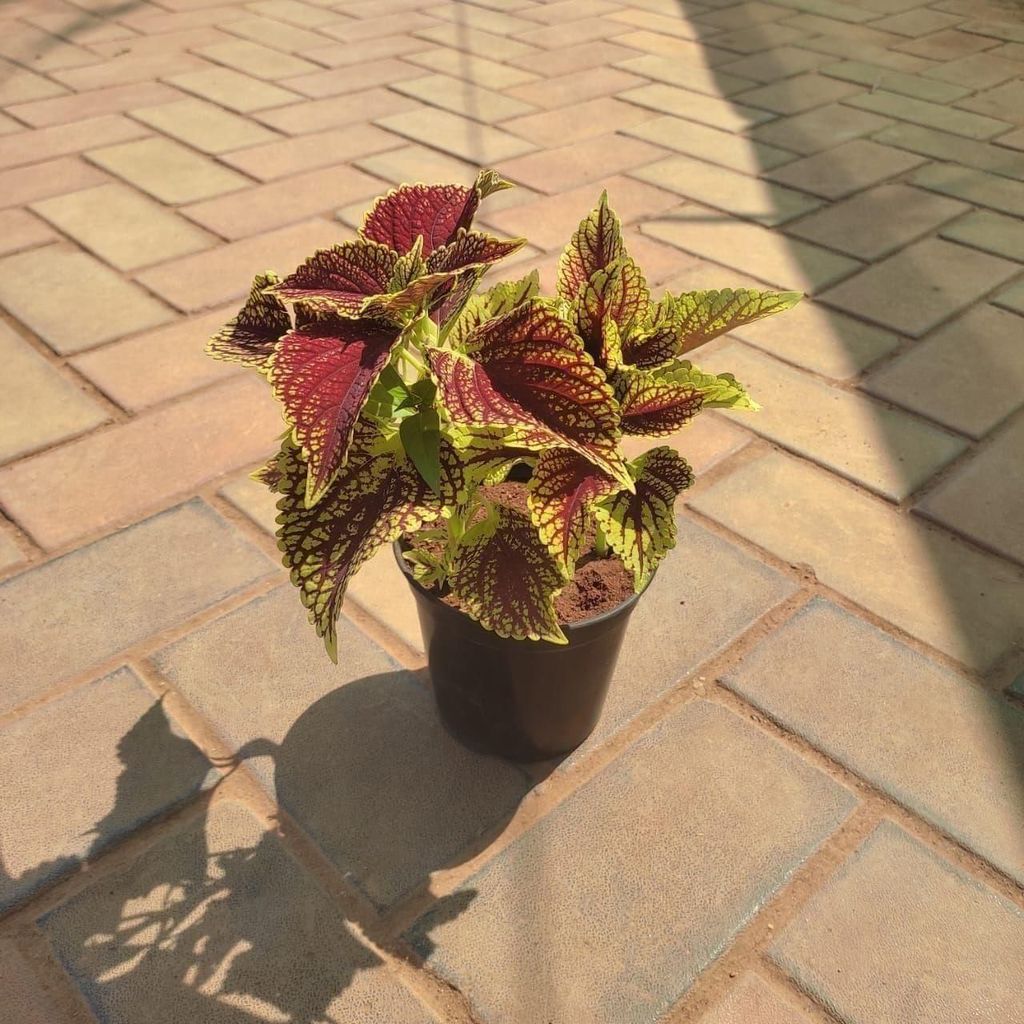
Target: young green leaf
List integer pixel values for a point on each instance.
(421, 439)
(708, 314)
(718, 391)
(596, 243)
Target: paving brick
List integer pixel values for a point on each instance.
(336, 81)
(710, 144)
(916, 23)
(743, 15)
(568, 10)
(233, 90)
(752, 1001)
(71, 111)
(419, 163)
(209, 278)
(975, 186)
(53, 178)
(819, 129)
(386, 842)
(480, 44)
(629, 965)
(167, 170)
(1015, 140)
(751, 249)
(338, 55)
(954, 148)
(820, 339)
(294, 13)
(479, 70)
(690, 50)
(758, 38)
(253, 499)
(576, 87)
(703, 442)
(917, 577)
(947, 45)
(984, 497)
(664, 24)
(43, 405)
(771, 65)
(497, 21)
(367, 29)
(85, 771)
(895, 81)
(937, 743)
(658, 262)
(930, 115)
(698, 77)
(883, 449)
(668, 99)
(879, 221)
(203, 125)
(253, 59)
(24, 995)
(161, 43)
(462, 98)
(336, 111)
(249, 914)
(108, 600)
(157, 365)
(798, 94)
(992, 232)
(20, 86)
(39, 286)
(554, 37)
(981, 71)
(19, 230)
(579, 121)
(127, 70)
(1011, 298)
(276, 34)
(930, 929)
(919, 287)
(579, 57)
(28, 147)
(122, 227)
(480, 144)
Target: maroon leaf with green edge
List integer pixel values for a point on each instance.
(561, 493)
(373, 501)
(472, 249)
(502, 298)
(658, 340)
(342, 278)
(707, 314)
(616, 294)
(431, 212)
(322, 374)
(640, 525)
(596, 244)
(651, 405)
(505, 578)
(529, 379)
(250, 337)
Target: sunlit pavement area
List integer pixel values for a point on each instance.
(805, 801)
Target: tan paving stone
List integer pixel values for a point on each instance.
(984, 497)
(367, 29)
(203, 125)
(123, 227)
(751, 249)
(930, 115)
(253, 59)
(580, 57)
(698, 77)
(309, 152)
(937, 743)
(703, 442)
(336, 81)
(167, 170)
(744, 14)
(9, 125)
(662, 23)
(412, 163)
(480, 44)
(668, 99)
(85, 771)
(496, 21)
(385, 844)
(80, 488)
(819, 129)
(209, 278)
(157, 365)
(895, 81)
(758, 38)
(554, 37)
(576, 87)
(39, 286)
(28, 147)
(947, 45)
(233, 90)
(879, 221)
(568, 10)
(293, 12)
(335, 111)
(752, 1001)
(24, 994)
(479, 144)
(931, 929)
(1012, 298)
(883, 449)
(107, 598)
(20, 230)
(690, 50)
(980, 71)
(954, 148)
(20, 86)
(276, 34)
(462, 98)
(1015, 139)
(798, 94)
(748, 842)
(851, 167)
(338, 55)
(42, 406)
(253, 499)
(22, 185)
(479, 70)
(992, 232)
(771, 65)
(252, 914)
(577, 122)
(975, 186)
(128, 69)
(916, 289)
(820, 339)
(70, 114)
(916, 23)
(957, 599)
(817, 25)
(659, 262)
(162, 43)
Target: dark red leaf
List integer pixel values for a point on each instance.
(342, 278)
(435, 212)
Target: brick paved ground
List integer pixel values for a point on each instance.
(805, 802)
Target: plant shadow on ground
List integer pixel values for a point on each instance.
(217, 923)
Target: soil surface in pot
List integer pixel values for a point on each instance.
(599, 584)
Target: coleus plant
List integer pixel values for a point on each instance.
(407, 391)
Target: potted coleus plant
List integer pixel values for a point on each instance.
(480, 432)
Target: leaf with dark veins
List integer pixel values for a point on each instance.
(251, 336)
(595, 245)
(342, 278)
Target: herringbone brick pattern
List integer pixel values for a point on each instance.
(805, 802)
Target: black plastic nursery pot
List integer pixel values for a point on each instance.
(525, 700)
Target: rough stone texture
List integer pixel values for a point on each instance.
(637, 906)
(254, 934)
(938, 743)
(107, 600)
(752, 1001)
(83, 772)
(25, 998)
(930, 929)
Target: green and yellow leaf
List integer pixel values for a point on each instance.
(707, 314)
(652, 404)
(494, 302)
(718, 390)
(595, 245)
(617, 294)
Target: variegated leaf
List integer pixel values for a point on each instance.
(720, 391)
(322, 374)
(656, 341)
(561, 493)
(494, 302)
(488, 182)
(652, 405)
(373, 501)
(472, 249)
(616, 294)
(530, 380)
(640, 525)
(707, 314)
(431, 212)
(250, 337)
(506, 579)
(596, 243)
(341, 279)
